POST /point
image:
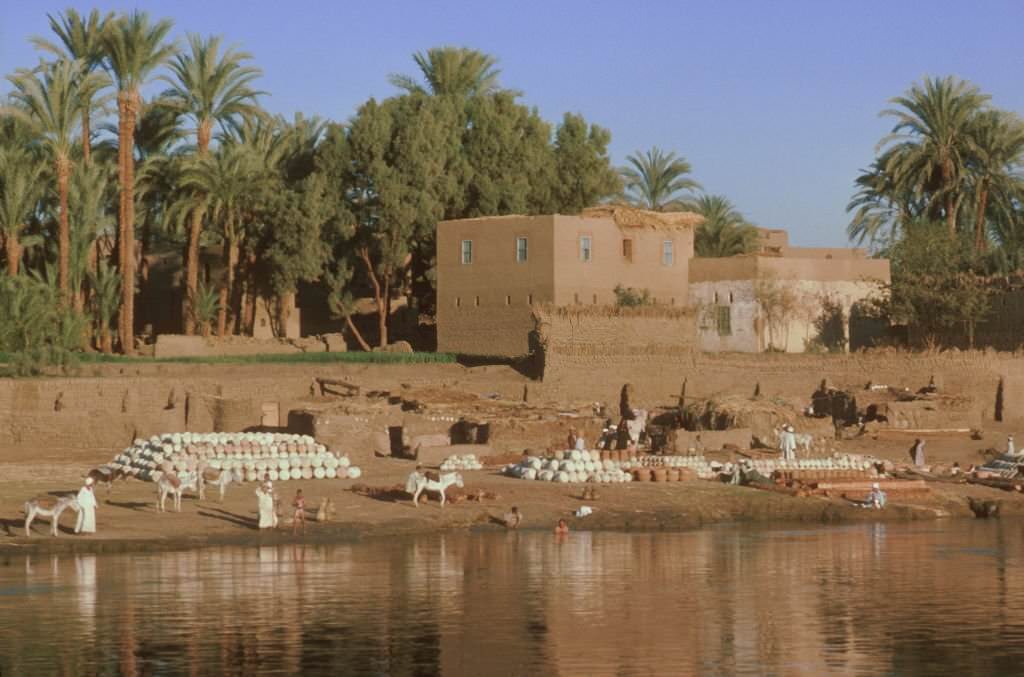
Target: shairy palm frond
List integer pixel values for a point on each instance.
(106, 285)
(994, 170)
(105, 282)
(51, 99)
(48, 100)
(452, 71)
(308, 131)
(80, 37)
(20, 192)
(211, 86)
(655, 179)
(725, 232)
(134, 47)
(179, 208)
(64, 350)
(45, 278)
(226, 179)
(90, 196)
(265, 136)
(878, 209)
(928, 151)
(157, 130)
(206, 307)
(38, 331)
(162, 204)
